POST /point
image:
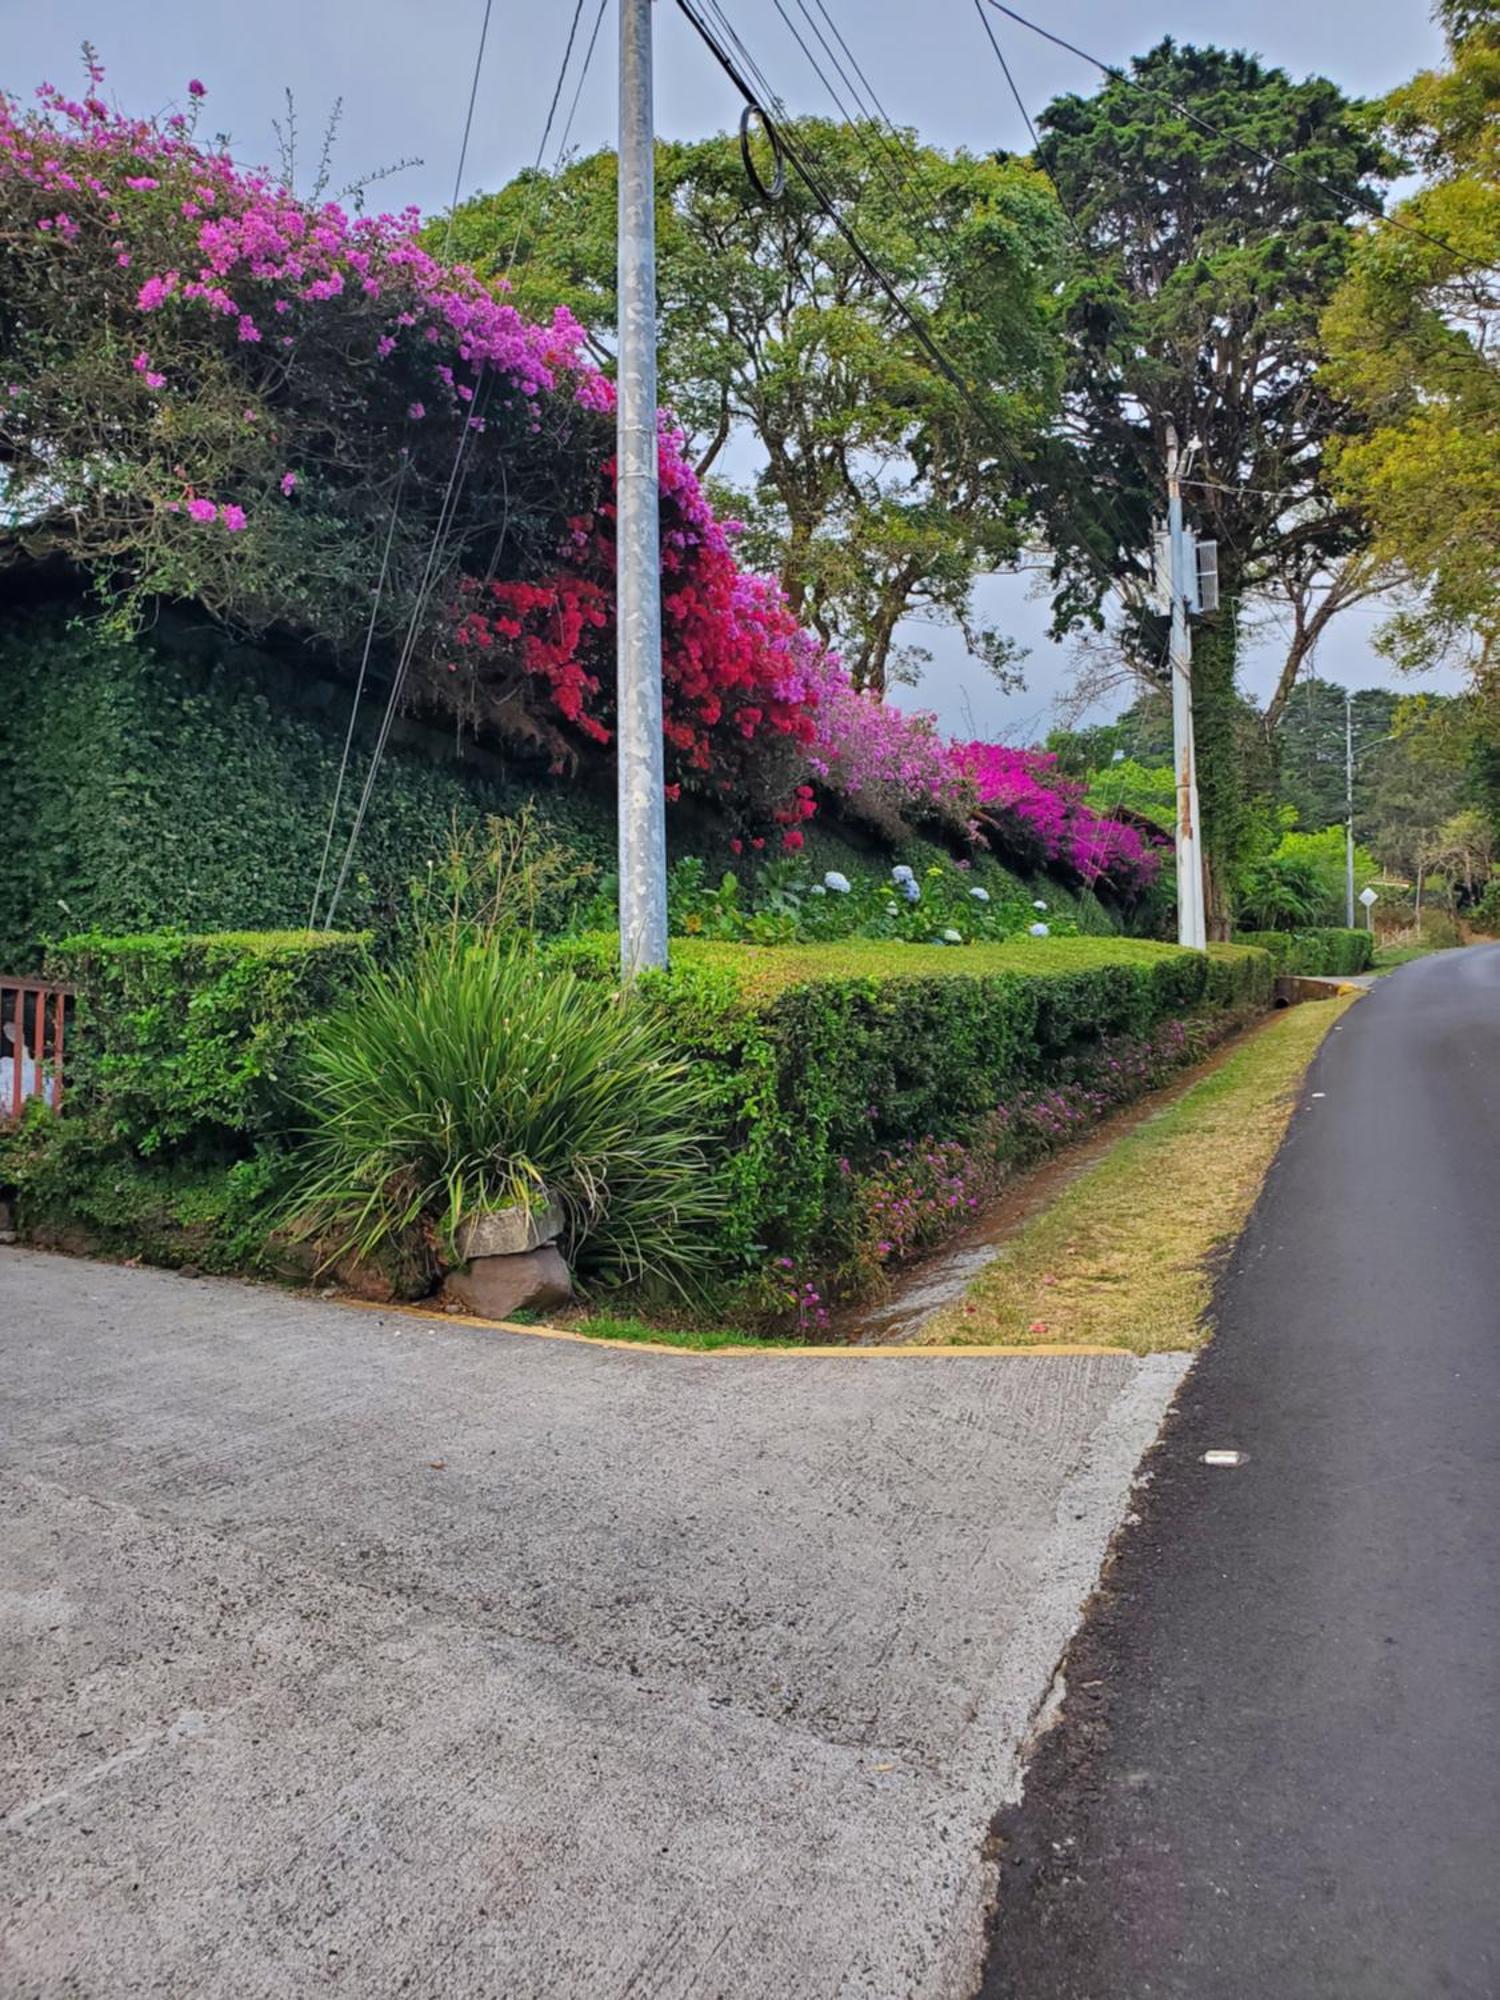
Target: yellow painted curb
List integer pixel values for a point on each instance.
(967, 1352)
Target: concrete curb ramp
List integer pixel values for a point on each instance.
(361, 1651)
(913, 1351)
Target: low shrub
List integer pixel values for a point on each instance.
(190, 1043)
(1315, 952)
(1485, 915)
(817, 1063)
(78, 1189)
(477, 1077)
(180, 1063)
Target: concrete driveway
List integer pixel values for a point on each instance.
(361, 1653)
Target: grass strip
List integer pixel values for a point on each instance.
(1123, 1257)
(703, 1339)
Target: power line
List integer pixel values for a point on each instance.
(915, 321)
(448, 507)
(557, 90)
(463, 151)
(1351, 196)
(583, 75)
(359, 688)
(912, 155)
(446, 511)
(984, 22)
(855, 123)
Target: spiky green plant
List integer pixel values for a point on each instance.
(472, 1077)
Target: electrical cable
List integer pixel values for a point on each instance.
(856, 123)
(896, 134)
(463, 151)
(916, 322)
(583, 75)
(359, 688)
(446, 511)
(447, 508)
(557, 90)
(984, 22)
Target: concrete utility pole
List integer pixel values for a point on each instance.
(1349, 810)
(1191, 928)
(639, 759)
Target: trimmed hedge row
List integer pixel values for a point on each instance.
(818, 1065)
(1318, 952)
(186, 1043)
(817, 1059)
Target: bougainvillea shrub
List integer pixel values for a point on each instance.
(215, 391)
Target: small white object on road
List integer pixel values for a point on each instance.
(1225, 1457)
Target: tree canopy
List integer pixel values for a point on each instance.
(1211, 199)
(883, 489)
(1411, 335)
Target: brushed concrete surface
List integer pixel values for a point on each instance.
(350, 1652)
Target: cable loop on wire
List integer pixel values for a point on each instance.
(753, 114)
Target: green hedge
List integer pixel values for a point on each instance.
(817, 1058)
(141, 787)
(172, 1142)
(184, 1044)
(1317, 952)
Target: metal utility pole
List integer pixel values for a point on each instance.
(641, 769)
(1349, 810)
(1191, 928)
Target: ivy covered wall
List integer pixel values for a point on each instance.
(171, 783)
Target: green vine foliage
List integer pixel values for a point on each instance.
(141, 787)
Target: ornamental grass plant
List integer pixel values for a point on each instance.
(472, 1077)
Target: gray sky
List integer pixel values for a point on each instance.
(403, 71)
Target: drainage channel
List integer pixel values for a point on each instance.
(921, 1290)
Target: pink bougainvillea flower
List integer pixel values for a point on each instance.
(289, 483)
(233, 518)
(203, 510)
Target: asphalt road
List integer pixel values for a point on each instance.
(1278, 1770)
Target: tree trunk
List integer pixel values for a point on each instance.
(1221, 799)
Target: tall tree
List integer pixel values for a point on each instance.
(1412, 335)
(1211, 199)
(882, 490)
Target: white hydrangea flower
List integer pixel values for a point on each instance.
(837, 882)
(817, 889)
(911, 890)
(1040, 930)
(1039, 906)
(953, 937)
(901, 873)
(980, 895)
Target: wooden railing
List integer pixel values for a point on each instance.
(33, 1023)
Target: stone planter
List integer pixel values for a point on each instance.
(513, 1263)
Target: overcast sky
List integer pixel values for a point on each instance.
(403, 72)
